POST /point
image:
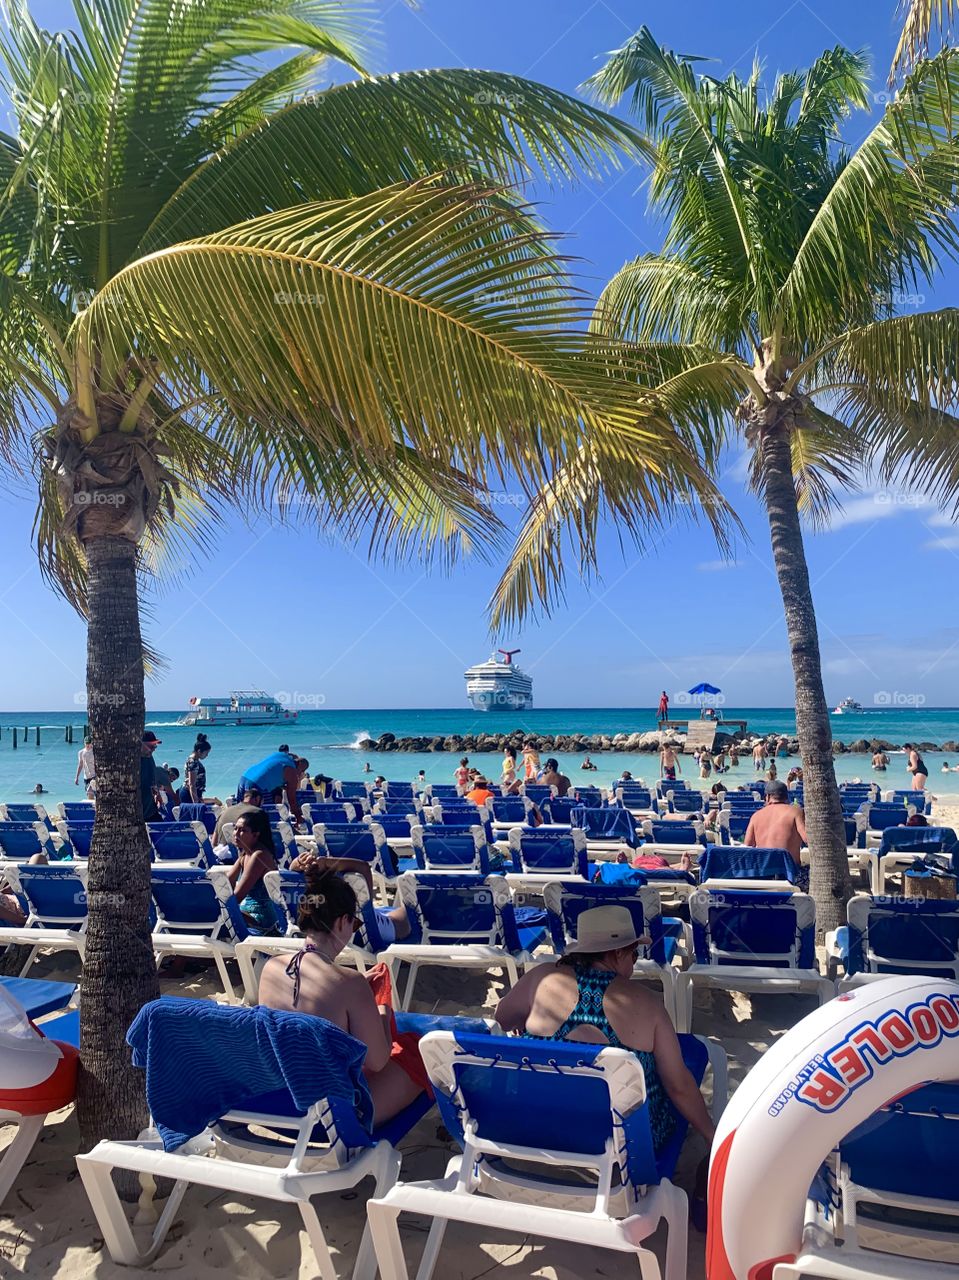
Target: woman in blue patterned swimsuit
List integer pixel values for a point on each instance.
(254, 841)
(588, 996)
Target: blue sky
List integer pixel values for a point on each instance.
(365, 635)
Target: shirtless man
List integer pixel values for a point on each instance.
(879, 761)
(778, 824)
(759, 756)
(669, 765)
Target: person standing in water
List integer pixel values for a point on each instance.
(669, 762)
(662, 711)
(917, 767)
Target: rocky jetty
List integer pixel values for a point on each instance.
(629, 743)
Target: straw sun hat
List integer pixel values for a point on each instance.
(604, 929)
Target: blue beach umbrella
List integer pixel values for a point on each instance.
(704, 688)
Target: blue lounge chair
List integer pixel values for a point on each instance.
(566, 901)
(537, 792)
(365, 841)
(441, 791)
(901, 847)
(182, 842)
(686, 802)
(464, 922)
(76, 810)
(897, 935)
(202, 813)
(38, 997)
(54, 898)
(75, 838)
(733, 825)
(325, 1145)
(451, 849)
(352, 791)
(393, 807)
(530, 1116)
(510, 811)
(638, 799)
(20, 841)
(590, 797)
(331, 811)
(609, 828)
(751, 942)
(875, 818)
(920, 801)
(559, 810)
(743, 867)
(541, 855)
(25, 813)
(197, 915)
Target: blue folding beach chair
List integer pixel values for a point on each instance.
(901, 847)
(54, 899)
(743, 867)
(559, 810)
(184, 842)
(365, 841)
(680, 833)
(75, 838)
(202, 813)
(733, 824)
(751, 942)
(686, 802)
(464, 922)
(510, 811)
(25, 813)
(76, 810)
(352, 791)
(439, 848)
(307, 1132)
(331, 811)
(20, 841)
(531, 1118)
(550, 854)
(440, 790)
(612, 828)
(633, 797)
(918, 800)
(589, 797)
(198, 916)
(537, 792)
(394, 807)
(897, 935)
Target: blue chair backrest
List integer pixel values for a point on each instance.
(461, 819)
(443, 790)
(591, 797)
(606, 824)
(665, 785)
(187, 901)
(441, 849)
(673, 833)
(737, 824)
(636, 797)
(459, 909)
(546, 1095)
(909, 1146)
(905, 839)
(177, 842)
(348, 840)
(886, 815)
(903, 935)
(401, 807)
(202, 813)
(537, 792)
(509, 809)
(686, 802)
(55, 894)
(559, 809)
(742, 862)
(80, 837)
(352, 790)
(333, 812)
(395, 826)
(77, 810)
(539, 851)
(24, 839)
(566, 902)
(773, 929)
(27, 813)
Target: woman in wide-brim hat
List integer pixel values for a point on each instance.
(588, 996)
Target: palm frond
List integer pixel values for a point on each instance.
(827, 455)
(917, 29)
(418, 314)
(358, 137)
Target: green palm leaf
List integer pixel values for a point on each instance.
(917, 29)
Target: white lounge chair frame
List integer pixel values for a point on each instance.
(515, 1202)
(36, 933)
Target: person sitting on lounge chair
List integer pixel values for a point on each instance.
(313, 983)
(254, 840)
(588, 996)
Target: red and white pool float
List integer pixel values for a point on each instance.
(825, 1076)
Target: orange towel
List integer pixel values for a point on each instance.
(406, 1051)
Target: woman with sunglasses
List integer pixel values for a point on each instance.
(588, 996)
(312, 982)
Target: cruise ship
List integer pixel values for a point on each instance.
(240, 706)
(499, 683)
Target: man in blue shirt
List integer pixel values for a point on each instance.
(279, 769)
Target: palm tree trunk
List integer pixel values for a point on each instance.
(119, 972)
(830, 884)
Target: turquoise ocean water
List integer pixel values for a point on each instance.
(328, 739)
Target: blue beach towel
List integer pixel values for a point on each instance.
(203, 1060)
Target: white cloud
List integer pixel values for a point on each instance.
(948, 543)
(718, 566)
(881, 504)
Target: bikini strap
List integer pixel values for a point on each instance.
(293, 970)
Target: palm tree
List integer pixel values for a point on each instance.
(786, 257)
(917, 27)
(219, 289)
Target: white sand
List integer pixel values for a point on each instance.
(48, 1230)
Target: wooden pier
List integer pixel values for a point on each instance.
(701, 733)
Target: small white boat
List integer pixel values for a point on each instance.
(241, 706)
(848, 706)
